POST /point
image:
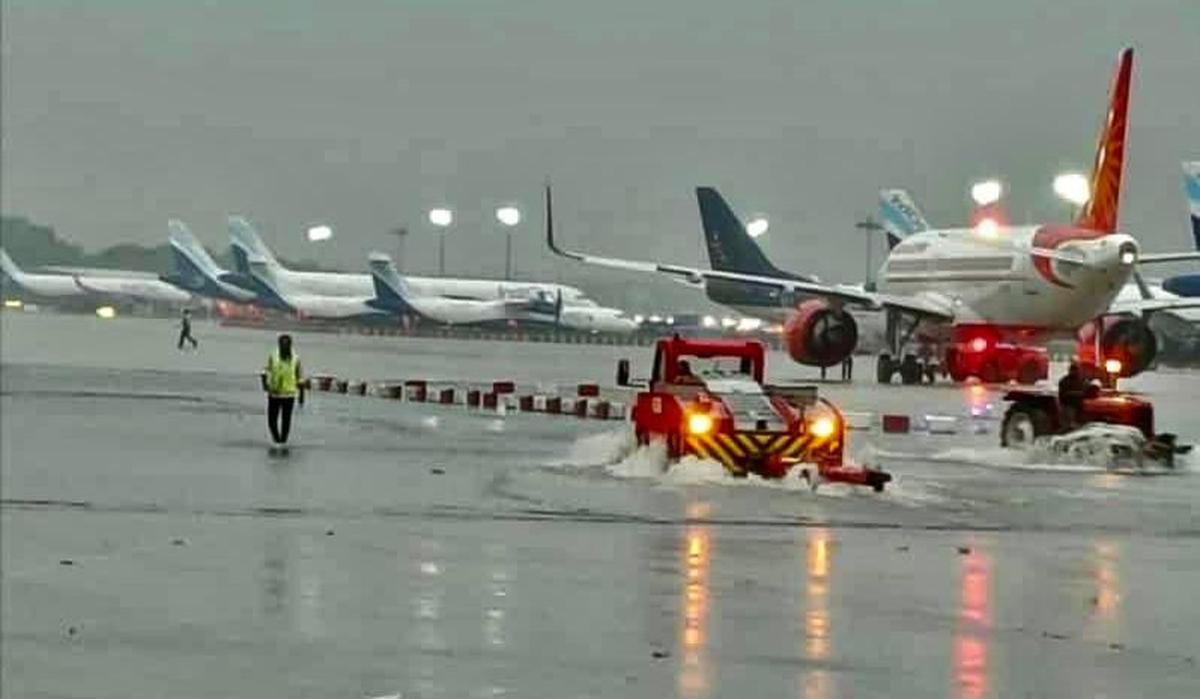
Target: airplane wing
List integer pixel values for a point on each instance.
(1154, 305)
(1157, 257)
(921, 307)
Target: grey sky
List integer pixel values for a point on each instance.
(118, 115)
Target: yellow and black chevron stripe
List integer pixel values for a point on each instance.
(736, 451)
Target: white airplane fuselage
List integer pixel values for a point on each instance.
(133, 288)
(1047, 278)
(360, 285)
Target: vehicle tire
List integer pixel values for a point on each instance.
(989, 373)
(884, 368)
(674, 447)
(931, 372)
(910, 370)
(1023, 424)
(1028, 373)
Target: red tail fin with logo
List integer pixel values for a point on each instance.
(1100, 213)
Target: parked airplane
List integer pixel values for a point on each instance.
(555, 305)
(49, 286)
(245, 243)
(273, 291)
(117, 286)
(393, 293)
(984, 289)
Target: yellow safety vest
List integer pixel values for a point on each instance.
(281, 375)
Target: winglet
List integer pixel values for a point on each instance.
(1100, 212)
(10, 268)
(550, 221)
(550, 229)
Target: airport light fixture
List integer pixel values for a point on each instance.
(509, 217)
(1073, 187)
(987, 192)
(987, 228)
(441, 218)
(757, 226)
(319, 232)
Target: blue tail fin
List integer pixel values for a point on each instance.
(245, 243)
(730, 247)
(901, 217)
(265, 285)
(1191, 184)
(391, 290)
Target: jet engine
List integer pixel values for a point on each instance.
(1120, 345)
(818, 334)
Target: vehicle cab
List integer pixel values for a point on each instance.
(707, 398)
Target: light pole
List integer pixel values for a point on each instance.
(509, 217)
(441, 218)
(870, 227)
(401, 233)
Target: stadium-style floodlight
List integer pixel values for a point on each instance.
(987, 192)
(441, 218)
(319, 232)
(509, 217)
(757, 226)
(1073, 187)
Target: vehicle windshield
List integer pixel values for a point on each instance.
(720, 375)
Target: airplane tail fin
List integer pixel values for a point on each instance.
(245, 243)
(730, 247)
(1100, 212)
(188, 252)
(1191, 183)
(901, 217)
(391, 289)
(261, 275)
(10, 268)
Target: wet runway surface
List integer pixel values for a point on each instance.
(153, 546)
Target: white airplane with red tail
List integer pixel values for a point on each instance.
(987, 295)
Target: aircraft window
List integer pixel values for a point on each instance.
(973, 264)
(908, 265)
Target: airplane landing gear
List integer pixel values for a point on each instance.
(884, 368)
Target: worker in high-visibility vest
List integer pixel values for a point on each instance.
(284, 383)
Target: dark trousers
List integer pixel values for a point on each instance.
(185, 335)
(279, 417)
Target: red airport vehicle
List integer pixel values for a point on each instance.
(724, 411)
(986, 357)
(1034, 413)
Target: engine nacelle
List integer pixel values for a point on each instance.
(1126, 339)
(818, 334)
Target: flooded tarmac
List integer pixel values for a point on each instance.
(153, 546)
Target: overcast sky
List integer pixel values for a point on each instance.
(120, 114)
